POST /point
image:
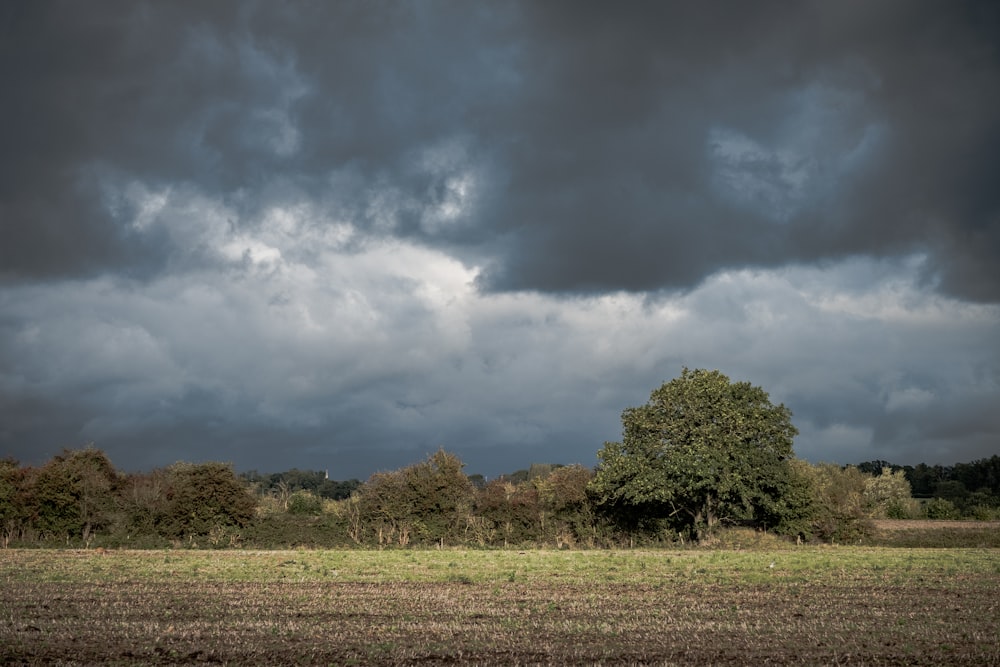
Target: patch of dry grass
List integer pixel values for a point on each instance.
(909, 533)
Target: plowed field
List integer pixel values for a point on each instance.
(807, 606)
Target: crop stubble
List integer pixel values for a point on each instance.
(842, 606)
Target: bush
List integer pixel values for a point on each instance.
(939, 508)
(304, 502)
(839, 510)
(903, 509)
(281, 531)
(428, 502)
(205, 498)
(985, 513)
(888, 495)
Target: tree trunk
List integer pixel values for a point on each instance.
(705, 519)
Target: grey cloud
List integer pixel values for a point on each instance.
(847, 123)
(181, 368)
(250, 223)
(637, 148)
(231, 97)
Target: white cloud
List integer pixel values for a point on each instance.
(455, 185)
(309, 324)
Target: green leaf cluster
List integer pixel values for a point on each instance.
(703, 451)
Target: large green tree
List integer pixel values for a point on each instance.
(703, 450)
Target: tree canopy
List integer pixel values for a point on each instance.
(703, 450)
(203, 497)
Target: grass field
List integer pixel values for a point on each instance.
(797, 605)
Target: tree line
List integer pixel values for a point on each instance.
(962, 490)
(702, 454)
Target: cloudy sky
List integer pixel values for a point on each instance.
(341, 235)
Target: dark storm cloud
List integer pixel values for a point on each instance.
(231, 97)
(663, 142)
(635, 147)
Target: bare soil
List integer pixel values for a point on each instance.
(847, 620)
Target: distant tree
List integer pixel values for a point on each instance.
(13, 509)
(513, 510)
(337, 490)
(540, 470)
(876, 467)
(517, 476)
(564, 489)
(296, 480)
(443, 495)
(305, 502)
(923, 480)
(888, 495)
(941, 508)
(800, 502)
(841, 512)
(966, 485)
(702, 451)
(206, 496)
(283, 484)
(982, 505)
(386, 508)
(988, 475)
(567, 515)
(74, 493)
(144, 501)
(429, 501)
(953, 490)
